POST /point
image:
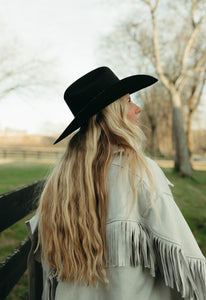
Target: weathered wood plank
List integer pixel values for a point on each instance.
(18, 203)
(13, 268)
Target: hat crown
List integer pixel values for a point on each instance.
(89, 86)
(97, 89)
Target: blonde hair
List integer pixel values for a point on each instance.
(73, 204)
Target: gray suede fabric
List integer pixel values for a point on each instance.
(125, 283)
(151, 251)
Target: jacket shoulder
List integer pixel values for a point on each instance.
(161, 182)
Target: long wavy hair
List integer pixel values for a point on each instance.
(73, 205)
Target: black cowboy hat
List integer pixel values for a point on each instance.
(94, 91)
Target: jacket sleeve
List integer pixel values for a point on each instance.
(34, 262)
(176, 251)
(42, 282)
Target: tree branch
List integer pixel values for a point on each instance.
(199, 67)
(193, 9)
(159, 67)
(199, 95)
(149, 4)
(188, 47)
(11, 89)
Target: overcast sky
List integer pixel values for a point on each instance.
(66, 30)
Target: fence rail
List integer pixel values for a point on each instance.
(13, 267)
(28, 153)
(14, 206)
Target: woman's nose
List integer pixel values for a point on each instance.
(138, 109)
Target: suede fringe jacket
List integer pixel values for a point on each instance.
(153, 234)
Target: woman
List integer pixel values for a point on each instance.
(108, 225)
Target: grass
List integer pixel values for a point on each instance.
(20, 173)
(12, 176)
(189, 194)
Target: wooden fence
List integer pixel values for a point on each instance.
(14, 206)
(24, 153)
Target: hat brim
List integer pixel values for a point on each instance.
(125, 86)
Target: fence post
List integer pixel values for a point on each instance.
(4, 153)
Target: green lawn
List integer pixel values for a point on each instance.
(12, 176)
(21, 173)
(190, 196)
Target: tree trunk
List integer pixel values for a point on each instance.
(189, 132)
(182, 159)
(153, 148)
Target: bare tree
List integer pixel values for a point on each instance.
(193, 95)
(182, 162)
(199, 142)
(23, 68)
(168, 53)
(155, 113)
